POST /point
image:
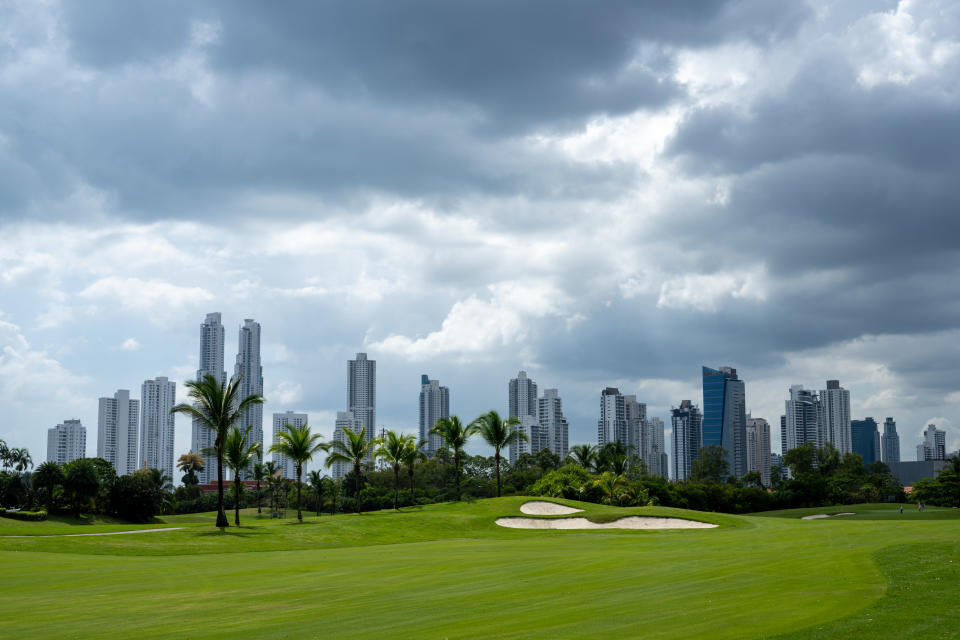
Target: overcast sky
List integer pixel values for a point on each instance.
(598, 193)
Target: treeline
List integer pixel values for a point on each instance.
(942, 490)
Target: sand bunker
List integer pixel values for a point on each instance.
(826, 515)
(543, 508)
(629, 522)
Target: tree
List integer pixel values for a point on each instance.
(455, 434)
(711, 465)
(19, 459)
(584, 455)
(752, 479)
(392, 449)
(49, 475)
(299, 445)
(136, 497)
(190, 464)
(354, 451)
(80, 482)
(319, 487)
(614, 457)
(411, 456)
(497, 433)
(217, 407)
(238, 453)
(259, 474)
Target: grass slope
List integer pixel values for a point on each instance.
(447, 571)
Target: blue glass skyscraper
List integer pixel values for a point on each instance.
(725, 415)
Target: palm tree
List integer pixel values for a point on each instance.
(354, 451)
(48, 475)
(392, 449)
(411, 456)
(585, 455)
(498, 434)
(238, 453)
(80, 482)
(217, 407)
(258, 473)
(299, 445)
(456, 435)
(164, 485)
(20, 459)
(316, 481)
(190, 464)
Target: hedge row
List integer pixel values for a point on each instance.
(31, 516)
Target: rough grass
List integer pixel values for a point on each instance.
(447, 571)
(873, 511)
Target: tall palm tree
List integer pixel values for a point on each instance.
(19, 459)
(354, 451)
(316, 481)
(300, 445)
(392, 449)
(413, 454)
(456, 435)
(238, 453)
(48, 475)
(259, 474)
(218, 408)
(498, 433)
(585, 455)
(190, 464)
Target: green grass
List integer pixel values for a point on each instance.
(878, 511)
(447, 571)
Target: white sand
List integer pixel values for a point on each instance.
(543, 508)
(825, 515)
(629, 522)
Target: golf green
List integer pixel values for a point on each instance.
(447, 571)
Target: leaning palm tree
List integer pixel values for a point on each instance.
(354, 450)
(584, 455)
(456, 435)
(258, 473)
(218, 408)
(392, 449)
(499, 434)
(238, 452)
(300, 445)
(316, 482)
(411, 456)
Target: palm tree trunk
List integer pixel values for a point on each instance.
(496, 457)
(222, 521)
(411, 485)
(356, 494)
(236, 500)
(456, 471)
(258, 498)
(299, 471)
(396, 485)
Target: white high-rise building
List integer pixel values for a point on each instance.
(758, 448)
(523, 405)
(800, 424)
(891, 441)
(66, 442)
(157, 398)
(552, 423)
(934, 446)
(659, 464)
(687, 438)
(636, 417)
(362, 393)
(345, 420)
(434, 406)
(211, 362)
(117, 426)
(834, 417)
(280, 422)
(250, 373)
(612, 425)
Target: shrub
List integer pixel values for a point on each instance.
(29, 516)
(135, 498)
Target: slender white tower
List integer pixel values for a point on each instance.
(211, 362)
(157, 397)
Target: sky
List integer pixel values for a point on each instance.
(600, 194)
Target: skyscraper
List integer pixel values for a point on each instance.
(66, 442)
(280, 421)
(865, 439)
(211, 362)
(523, 405)
(157, 397)
(800, 424)
(758, 448)
(890, 442)
(725, 415)
(659, 464)
(434, 406)
(249, 371)
(687, 438)
(345, 420)
(612, 425)
(636, 416)
(117, 426)
(362, 393)
(552, 423)
(834, 417)
(934, 446)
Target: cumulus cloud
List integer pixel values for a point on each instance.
(130, 344)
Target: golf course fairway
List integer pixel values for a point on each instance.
(448, 571)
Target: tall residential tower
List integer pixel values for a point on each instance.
(249, 371)
(211, 362)
(117, 425)
(434, 406)
(157, 398)
(725, 415)
(66, 442)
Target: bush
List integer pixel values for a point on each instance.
(29, 516)
(135, 498)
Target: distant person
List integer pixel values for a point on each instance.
(901, 509)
